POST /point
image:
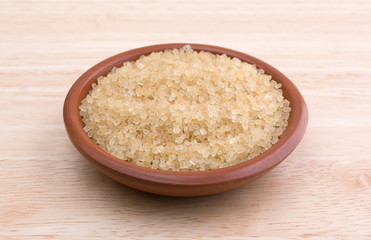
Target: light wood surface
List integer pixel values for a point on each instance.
(321, 191)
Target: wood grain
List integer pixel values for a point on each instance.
(322, 191)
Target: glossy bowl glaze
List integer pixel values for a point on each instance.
(173, 183)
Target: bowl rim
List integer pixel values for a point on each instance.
(286, 144)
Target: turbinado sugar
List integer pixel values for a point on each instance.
(184, 110)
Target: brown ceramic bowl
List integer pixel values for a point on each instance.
(182, 183)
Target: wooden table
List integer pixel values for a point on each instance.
(322, 191)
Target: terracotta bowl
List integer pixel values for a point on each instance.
(173, 183)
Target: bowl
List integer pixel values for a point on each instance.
(174, 183)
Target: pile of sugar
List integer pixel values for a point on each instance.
(184, 110)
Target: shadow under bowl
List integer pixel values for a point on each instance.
(173, 183)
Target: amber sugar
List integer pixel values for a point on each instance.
(184, 110)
